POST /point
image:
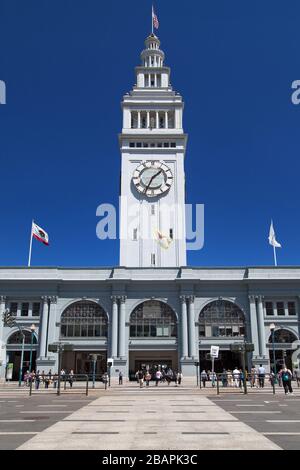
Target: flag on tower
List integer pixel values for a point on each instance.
(154, 19)
(272, 237)
(39, 234)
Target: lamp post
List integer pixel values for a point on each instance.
(32, 329)
(272, 329)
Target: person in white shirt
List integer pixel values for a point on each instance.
(236, 376)
(261, 376)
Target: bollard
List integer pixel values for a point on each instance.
(87, 386)
(30, 387)
(65, 384)
(218, 386)
(273, 384)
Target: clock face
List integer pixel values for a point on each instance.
(152, 178)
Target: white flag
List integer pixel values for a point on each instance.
(272, 237)
(39, 234)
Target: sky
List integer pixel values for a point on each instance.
(66, 65)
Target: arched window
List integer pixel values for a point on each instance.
(153, 319)
(83, 319)
(17, 338)
(283, 336)
(221, 318)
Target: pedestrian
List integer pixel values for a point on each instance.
(37, 380)
(272, 378)
(147, 378)
(71, 378)
(297, 376)
(236, 377)
(261, 376)
(224, 378)
(179, 377)
(120, 378)
(105, 379)
(286, 376)
(253, 377)
(204, 377)
(158, 376)
(141, 378)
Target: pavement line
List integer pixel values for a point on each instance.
(252, 412)
(283, 421)
(39, 412)
(250, 405)
(54, 406)
(12, 433)
(281, 433)
(17, 420)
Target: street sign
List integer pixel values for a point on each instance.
(214, 351)
(110, 361)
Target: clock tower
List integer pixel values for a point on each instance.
(152, 145)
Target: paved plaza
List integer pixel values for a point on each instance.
(154, 418)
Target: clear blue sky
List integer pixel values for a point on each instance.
(67, 63)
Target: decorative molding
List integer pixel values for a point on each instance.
(53, 299)
(182, 299)
(114, 299)
(122, 299)
(190, 298)
(3, 299)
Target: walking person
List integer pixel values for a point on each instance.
(120, 378)
(253, 377)
(71, 378)
(179, 377)
(158, 376)
(204, 377)
(297, 376)
(261, 376)
(224, 378)
(286, 376)
(236, 377)
(141, 378)
(147, 378)
(37, 380)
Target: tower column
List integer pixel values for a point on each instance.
(157, 119)
(184, 332)
(253, 325)
(139, 120)
(43, 328)
(122, 327)
(114, 327)
(155, 80)
(192, 337)
(261, 327)
(166, 120)
(148, 119)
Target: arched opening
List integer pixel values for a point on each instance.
(152, 323)
(220, 321)
(14, 351)
(82, 323)
(283, 340)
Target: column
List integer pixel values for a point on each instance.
(166, 120)
(155, 80)
(184, 333)
(53, 334)
(139, 120)
(157, 120)
(261, 326)
(43, 329)
(148, 119)
(2, 344)
(253, 325)
(114, 327)
(122, 318)
(191, 316)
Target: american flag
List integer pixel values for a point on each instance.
(155, 19)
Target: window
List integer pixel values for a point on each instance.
(152, 145)
(131, 144)
(135, 234)
(166, 145)
(25, 309)
(280, 308)
(153, 319)
(36, 309)
(83, 319)
(139, 144)
(14, 308)
(269, 308)
(171, 233)
(145, 145)
(161, 123)
(153, 259)
(291, 308)
(221, 319)
(159, 144)
(173, 144)
(152, 209)
(17, 338)
(283, 336)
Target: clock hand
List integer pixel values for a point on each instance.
(151, 179)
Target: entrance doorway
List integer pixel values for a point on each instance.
(152, 361)
(81, 362)
(227, 360)
(14, 357)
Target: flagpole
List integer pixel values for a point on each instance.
(30, 246)
(152, 21)
(275, 258)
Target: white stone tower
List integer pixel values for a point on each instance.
(152, 144)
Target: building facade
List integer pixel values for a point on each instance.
(151, 311)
